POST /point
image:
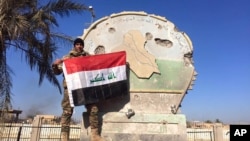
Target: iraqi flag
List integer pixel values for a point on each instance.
(93, 78)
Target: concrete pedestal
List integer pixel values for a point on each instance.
(141, 127)
(154, 123)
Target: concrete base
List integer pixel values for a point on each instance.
(140, 127)
(144, 137)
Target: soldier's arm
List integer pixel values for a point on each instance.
(57, 66)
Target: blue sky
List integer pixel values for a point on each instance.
(220, 32)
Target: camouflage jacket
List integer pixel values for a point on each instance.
(57, 69)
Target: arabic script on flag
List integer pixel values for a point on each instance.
(93, 78)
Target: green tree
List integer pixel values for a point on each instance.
(208, 121)
(26, 26)
(218, 121)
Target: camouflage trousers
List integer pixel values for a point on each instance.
(92, 111)
(67, 112)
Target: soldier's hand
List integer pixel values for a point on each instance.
(58, 61)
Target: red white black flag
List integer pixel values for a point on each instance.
(93, 78)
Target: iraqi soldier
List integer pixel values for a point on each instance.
(92, 109)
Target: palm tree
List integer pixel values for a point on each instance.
(26, 26)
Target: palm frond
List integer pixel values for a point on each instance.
(64, 7)
(25, 26)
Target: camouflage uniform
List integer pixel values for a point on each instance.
(67, 109)
(92, 111)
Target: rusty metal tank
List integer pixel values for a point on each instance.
(160, 59)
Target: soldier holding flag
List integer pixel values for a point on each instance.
(92, 109)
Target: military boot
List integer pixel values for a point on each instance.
(65, 133)
(95, 136)
(94, 124)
